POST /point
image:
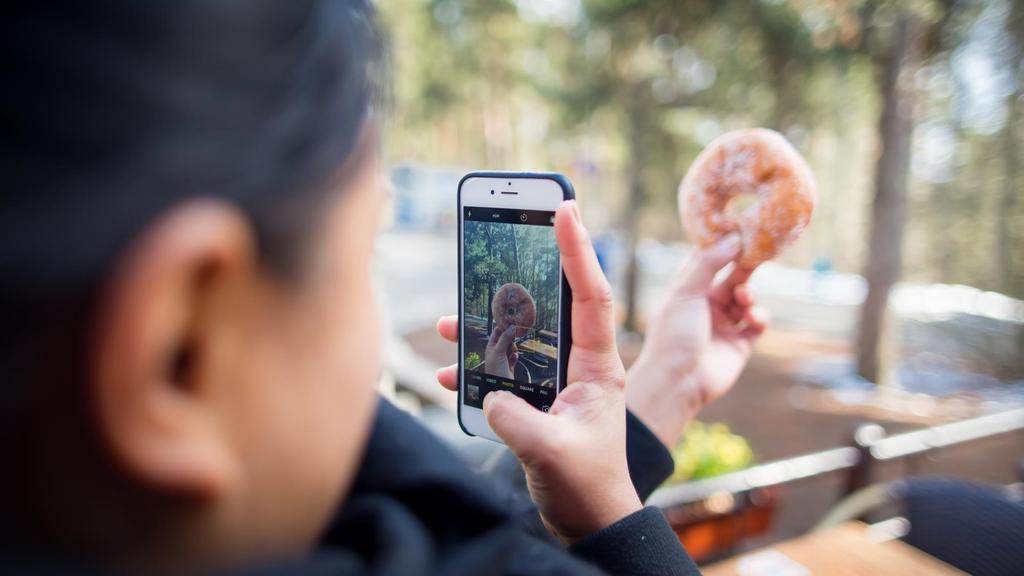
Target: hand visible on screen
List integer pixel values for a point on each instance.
(501, 354)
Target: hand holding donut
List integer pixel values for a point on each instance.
(514, 313)
(698, 342)
(501, 354)
(704, 333)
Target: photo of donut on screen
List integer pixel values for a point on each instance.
(510, 312)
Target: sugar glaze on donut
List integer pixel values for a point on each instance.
(758, 163)
(513, 305)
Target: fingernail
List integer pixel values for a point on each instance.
(576, 212)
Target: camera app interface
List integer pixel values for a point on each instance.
(510, 323)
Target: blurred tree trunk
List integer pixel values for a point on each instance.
(517, 276)
(634, 197)
(1005, 274)
(490, 283)
(1004, 208)
(888, 212)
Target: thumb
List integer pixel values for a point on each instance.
(699, 272)
(520, 425)
(506, 338)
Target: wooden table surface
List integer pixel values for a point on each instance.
(846, 550)
(539, 347)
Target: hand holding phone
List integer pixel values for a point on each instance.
(575, 454)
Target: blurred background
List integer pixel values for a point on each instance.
(897, 313)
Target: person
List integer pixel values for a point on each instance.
(190, 342)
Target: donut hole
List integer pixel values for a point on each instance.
(741, 204)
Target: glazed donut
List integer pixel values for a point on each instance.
(512, 305)
(758, 163)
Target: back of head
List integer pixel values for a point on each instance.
(116, 110)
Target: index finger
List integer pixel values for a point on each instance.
(593, 322)
(724, 291)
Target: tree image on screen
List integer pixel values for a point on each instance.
(511, 280)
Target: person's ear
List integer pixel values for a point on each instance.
(151, 388)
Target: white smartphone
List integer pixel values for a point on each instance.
(514, 301)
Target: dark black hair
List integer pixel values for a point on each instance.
(114, 110)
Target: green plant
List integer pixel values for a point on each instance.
(709, 450)
(472, 359)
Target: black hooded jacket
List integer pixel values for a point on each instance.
(417, 509)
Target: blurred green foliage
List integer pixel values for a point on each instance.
(707, 450)
(622, 94)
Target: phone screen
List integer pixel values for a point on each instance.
(512, 276)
